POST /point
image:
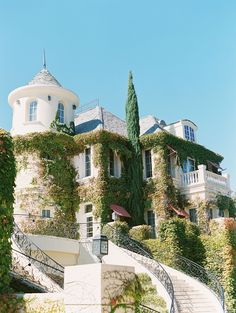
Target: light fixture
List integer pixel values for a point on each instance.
(100, 246)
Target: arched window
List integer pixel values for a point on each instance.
(60, 112)
(33, 111)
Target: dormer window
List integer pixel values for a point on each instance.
(189, 133)
(60, 113)
(33, 111)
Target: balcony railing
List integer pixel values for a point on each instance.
(204, 177)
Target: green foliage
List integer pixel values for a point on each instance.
(183, 148)
(141, 232)
(136, 201)
(160, 190)
(11, 304)
(177, 237)
(220, 248)
(105, 190)
(54, 150)
(117, 229)
(7, 178)
(226, 203)
(62, 128)
(58, 226)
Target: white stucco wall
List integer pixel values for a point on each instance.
(20, 99)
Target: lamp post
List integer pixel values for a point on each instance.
(100, 246)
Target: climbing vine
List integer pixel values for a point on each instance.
(160, 191)
(7, 178)
(56, 175)
(105, 190)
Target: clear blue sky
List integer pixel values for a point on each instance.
(182, 54)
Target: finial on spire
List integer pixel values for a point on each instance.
(44, 59)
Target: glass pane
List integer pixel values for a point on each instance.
(148, 163)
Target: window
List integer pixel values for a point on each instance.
(33, 111)
(111, 163)
(49, 98)
(60, 113)
(210, 214)
(193, 215)
(88, 208)
(188, 165)
(89, 226)
(87, 162)
(46, 213)
(148, 163)
(151, 221)
(189, 133)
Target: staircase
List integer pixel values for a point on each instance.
(186, 286)
(192, 299)
(30, 263)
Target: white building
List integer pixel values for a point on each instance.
(35, 107)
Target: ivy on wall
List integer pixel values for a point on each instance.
(54, 151)
(105, 190)
(183, 148)
(7, 178)
(160, 190)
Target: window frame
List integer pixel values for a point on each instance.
(89, 226)
(33, 111)
(186, 166)
(61, 112)
(87, 162)
(148, 163)
(111, 163)
(46, 213)
(189, 133)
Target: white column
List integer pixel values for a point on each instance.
(202, 174)
(90, 288)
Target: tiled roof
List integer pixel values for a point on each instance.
(98, 118)
(44, 77)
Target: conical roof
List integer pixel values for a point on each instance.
(44, 77)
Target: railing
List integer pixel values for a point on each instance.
(30, 269)
(198, 272)
(189, 178)
(37, 257)
(141, 255)
(216, 179)
(202, 176)
(145, 309)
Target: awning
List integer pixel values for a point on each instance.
(119, 210)
(179, 212)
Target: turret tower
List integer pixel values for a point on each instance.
(35, 105)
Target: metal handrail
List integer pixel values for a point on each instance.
(198, 272)
(143, 257)
(146, 309)
(39, 258)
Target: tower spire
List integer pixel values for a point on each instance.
(44, 59)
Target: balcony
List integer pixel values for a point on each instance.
(201, 180)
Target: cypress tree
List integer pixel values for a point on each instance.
(135, 168)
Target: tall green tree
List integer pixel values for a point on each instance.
(135, 168)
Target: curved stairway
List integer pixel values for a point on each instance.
(187, 292)
(30, 263)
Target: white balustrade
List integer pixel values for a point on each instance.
(202, 176)
(216, 179)
(189, 178)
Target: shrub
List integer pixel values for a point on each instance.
(141, 232)
(116, 230)
(220, 249)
